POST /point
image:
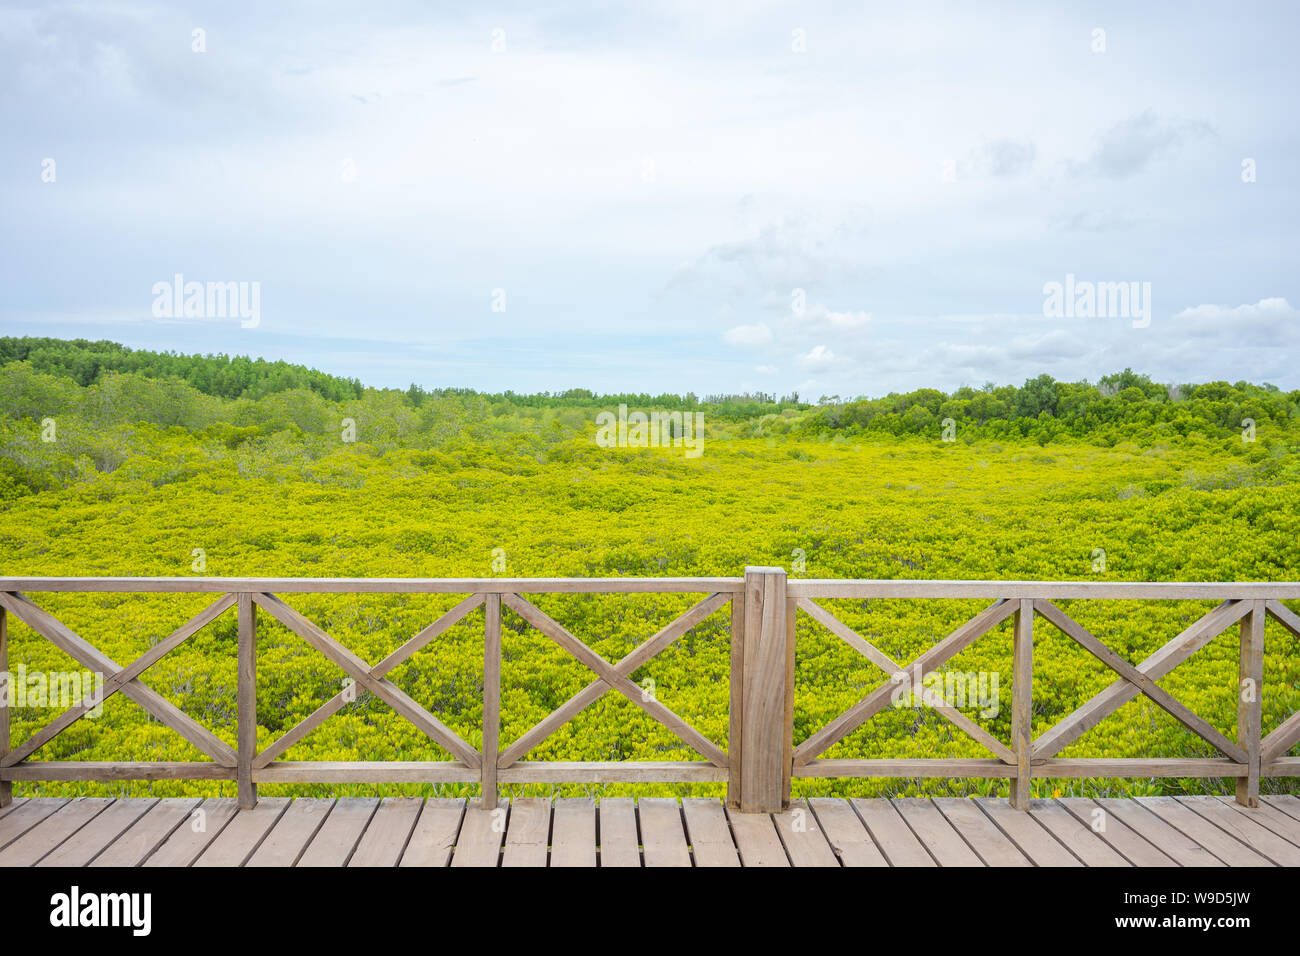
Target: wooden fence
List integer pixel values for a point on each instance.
(762, 755)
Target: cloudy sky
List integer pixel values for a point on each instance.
(833, 198)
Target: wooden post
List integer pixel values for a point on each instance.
(6, 786)
(1250, 703)
(736, 700)
(491, 698)
(247, 693)
(767, 745)
(1022, 690)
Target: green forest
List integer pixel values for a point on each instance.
(116, 461)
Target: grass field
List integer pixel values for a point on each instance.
(529, 493)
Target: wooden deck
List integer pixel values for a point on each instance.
(351, 831)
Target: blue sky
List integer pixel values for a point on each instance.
(833, 198)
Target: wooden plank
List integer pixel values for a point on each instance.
(612, 675)
(348, 694)
(88, 842)
(766, 743)
(1231, 851)
(292, 833)
(990, 844)
(1286, 802)
(805, 844)
(9, 807)
(1250, 701)
(1156, 666)
(573, 832)
(709, 833)
(479, 841)
(735, 698)
(894, 837)
(1125, 841)
(528, 832)
(1281, 739)
(435, 833)
(203, 824)
(613, 771)
(22, 817)
(663, 833)
(427, 634)
(1173, 842)
(849, 636)
(787, 730)
(832, 588)
(1030, 837)
(366, 771)
(385, 838)
(878, 699)
(247, 699)
(1022, 703)
(359, 670)
(1243, 825)
(1196, 724)
(80, 650)
(491, 700)
(6, 688)
(1282, 767)
(144, 836)
(891, 667)
(848, 838)
(629, 585)
(339, 834)
(241, 837)
(1077, 838)
(115, 681)
(551, 723)
(924, 767)
(1267, 815)
(108, 770)
(619, 844)
(48, 835)
(1284, 615)
(1159, 767)
(756, 839)
(803, 587)
(944, 843)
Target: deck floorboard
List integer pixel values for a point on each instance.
(658, 832)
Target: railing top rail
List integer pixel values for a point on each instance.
(198, 585)
(1045, 590)
(797, 587)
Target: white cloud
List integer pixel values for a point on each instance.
(1274, 317)
(766, 369)
(820, 357)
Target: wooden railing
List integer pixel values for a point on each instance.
(762, 755)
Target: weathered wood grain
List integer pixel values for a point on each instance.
(148, 833)
(663, 835)
(709, 833)
(528, 832)
(435, 833)
(619, 844)
(573, 832)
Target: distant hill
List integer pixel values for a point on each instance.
(224, 376)
(1126, 406)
